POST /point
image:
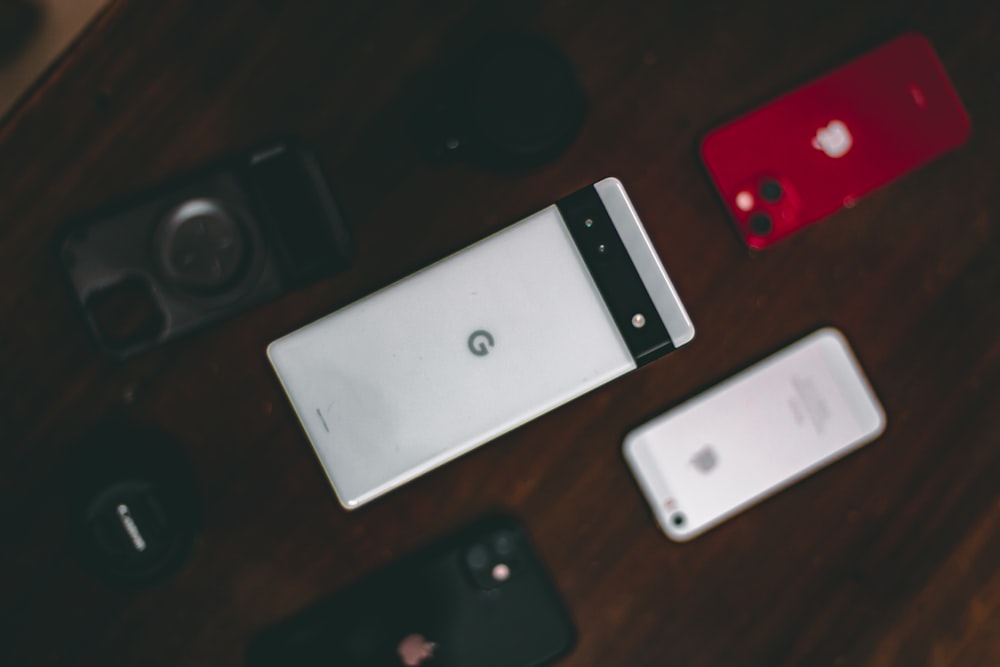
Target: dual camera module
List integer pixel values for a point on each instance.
(770, 193)
(492, 562)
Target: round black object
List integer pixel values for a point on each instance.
(512, 101)
(760, 224)
(770, 191)
(133, 503)
(201, 246)
(678, 519)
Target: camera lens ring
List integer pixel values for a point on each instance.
(771, 191)
(477, 557)
(678, 519)
(761, 224)
(202, 246)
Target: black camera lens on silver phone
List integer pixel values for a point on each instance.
(760, 224)
(678, 519)
(770, 191)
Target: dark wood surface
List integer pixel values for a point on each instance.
(890, 557)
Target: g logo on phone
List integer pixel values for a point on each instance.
(480, 342)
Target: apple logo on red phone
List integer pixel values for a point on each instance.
(834, 139)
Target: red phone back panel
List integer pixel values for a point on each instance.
(810, 152)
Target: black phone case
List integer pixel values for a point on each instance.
(204, 247)
(440, 607)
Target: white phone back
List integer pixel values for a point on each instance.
(406, 379)
(754, 434)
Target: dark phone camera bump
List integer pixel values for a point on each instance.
(492, 564)
(202, 246)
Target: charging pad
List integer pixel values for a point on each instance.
(511, 101)
(134, 505)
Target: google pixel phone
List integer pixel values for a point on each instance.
(497, 334)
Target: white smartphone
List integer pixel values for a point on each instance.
(754, 434)
(480, 342)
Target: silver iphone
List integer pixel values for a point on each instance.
(754, 434)
(438, 363)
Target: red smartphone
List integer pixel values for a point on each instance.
(822, 146)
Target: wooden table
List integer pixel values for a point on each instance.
(890, 557)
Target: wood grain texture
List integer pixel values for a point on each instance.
(890, 557)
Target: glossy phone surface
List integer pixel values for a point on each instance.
(478, 598)
(805, 155)
(754, 434)
(442, 361)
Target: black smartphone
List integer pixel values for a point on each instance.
(477, 598)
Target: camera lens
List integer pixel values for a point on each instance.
(760, 224)
(678, 519)
(503, 545)
(770, 191)
(126, 313)
(202, 246)
(477, 557)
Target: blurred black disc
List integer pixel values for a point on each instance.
(134, 507)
